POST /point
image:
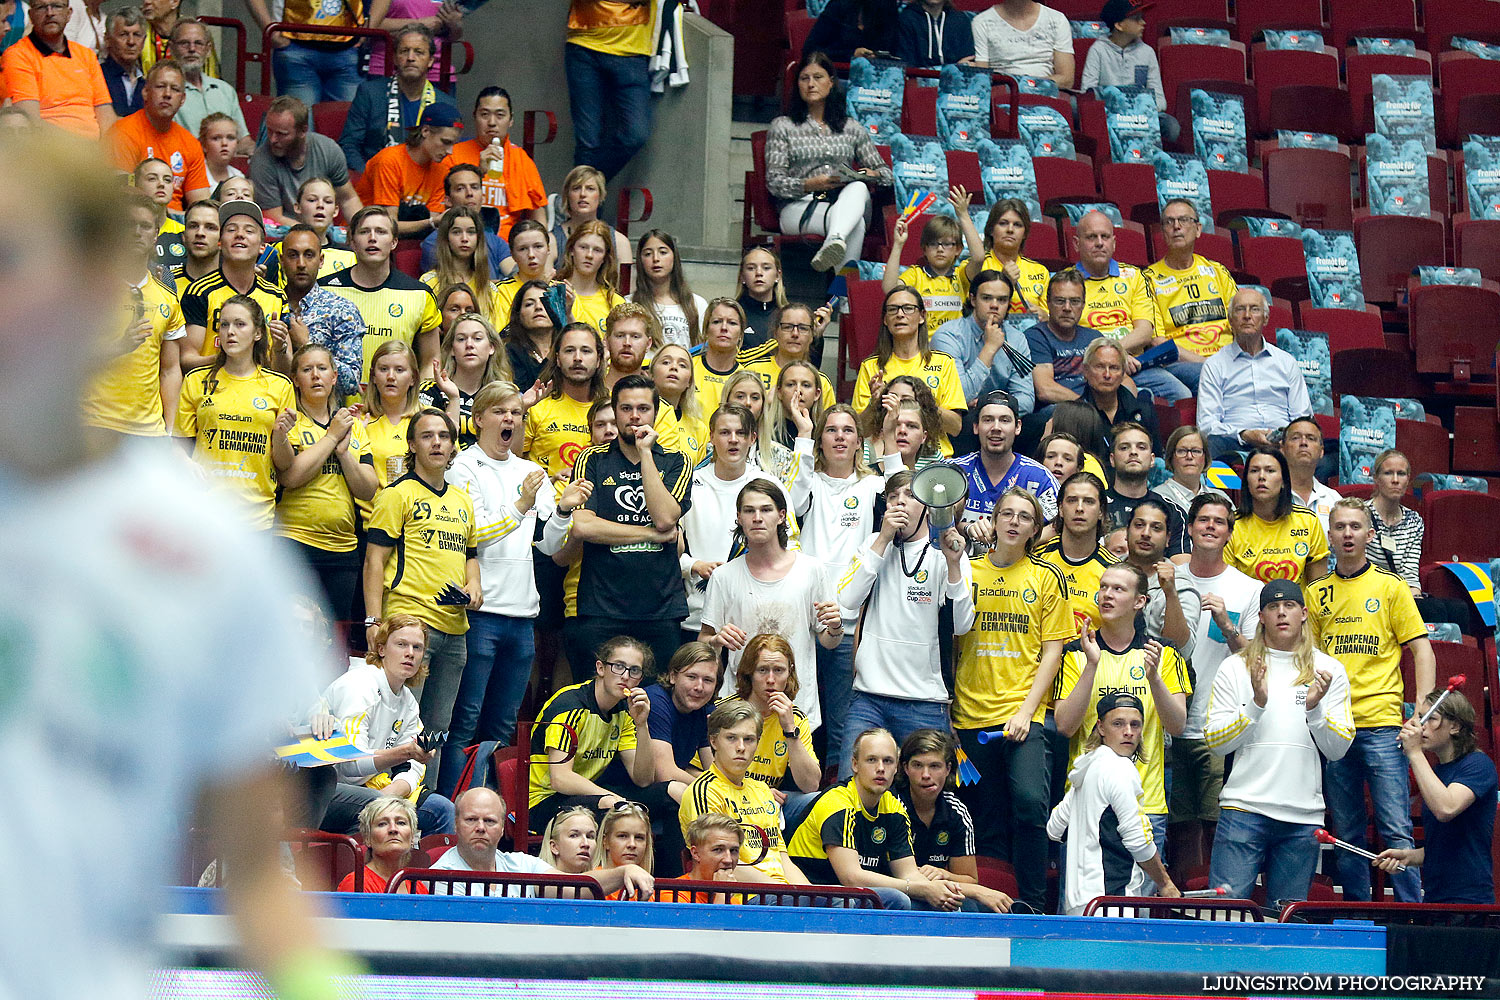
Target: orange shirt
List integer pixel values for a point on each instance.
(133, 139)
(520, 189)
(374, 883)
(392, 177)
(68, 87)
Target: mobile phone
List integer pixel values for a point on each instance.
(138, 303)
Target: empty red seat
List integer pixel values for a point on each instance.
(1347, 329)
(1230, 192)
(1390, 246)
(1437, 183)
(1461, 525)
(1476, 243)
(254, 108)
(1180, 102)
(1058, 179)
(1359, 71)
(1043, 241)
(1476, 440)
(1200, 62)
(1312, 108)
(1311, 186)
(1464, 76)
(963, 170)
(1132, 186)
(1425, 445)
(1445, 18)
(1375, 371)
(1257, 15)
(1274, 68)
(1271, 258)
(859, 330)
(1350, 19)
(1453, 326)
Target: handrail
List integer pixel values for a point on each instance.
(581, 886)
(669, 891)
(529, 140)
(336, 842)
(238, 27)
(1422, 914)
(1164, 908)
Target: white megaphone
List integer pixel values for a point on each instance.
(938, 487)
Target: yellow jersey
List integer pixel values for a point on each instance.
(693, 439)
(769, 371)
(769, 764)
(335, 259)
(321, 512)
(594, 309)
(1016, 609)
(1030, 296)
(433, 534)
(710, 382)
(1192, 305)
(942, 294)
(571, 720)
(399, 308)
(751, 802)
(202, 300)
(557, 429)
(1363, 621)
(840, 819)
(1114, 303)
(126, 395)
(613, 27)
(231, 416)
(940, 373)
(1277, 550)
(1082, 579)
(1126, 671)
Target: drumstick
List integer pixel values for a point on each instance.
(1205, 893)
(1456, 681)
(1327, 838)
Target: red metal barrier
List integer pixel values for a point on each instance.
(1241, 910)
(683, 890)
(1316, 911)
(529, 141)
(237, 26)
(464, 883)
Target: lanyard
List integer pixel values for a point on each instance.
(394, 133)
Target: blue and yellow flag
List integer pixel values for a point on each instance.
(1221, 476)
(309, 752)
(1476, 580)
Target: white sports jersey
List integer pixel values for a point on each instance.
(374, 718)
(505, 537)
(143, 654)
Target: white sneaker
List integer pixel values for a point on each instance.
(830, 255)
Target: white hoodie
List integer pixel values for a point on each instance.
(374, 718)
(1277, 773)
(505, 536)
(1107, 831)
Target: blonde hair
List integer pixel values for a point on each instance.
(549, 835)
(690, 406)
(608, 277)
(619, 812)
(861, 467)
(1302, 654)
(372, 392)
(765, 439)
(708, 824)
(496, 369)
(778, 289)
(493, 394)
(383, 635)
(776, 411)
(700, 335)
(378, 807)
(1093, 741)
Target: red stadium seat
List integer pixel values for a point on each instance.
(1311, 108)
(1064, 180)
(1348, 19)
(919, 109)
(1476, 243)
(1462, 75)
(1181, 102)
(1311, 186)
(759, 208)
(1390, 246)
(1454, 325)
(1437, 183)
(1215, 246)
(859, 331)
(1271, 258)
(1443, 19)
(1426, 445)
(1257, 15)
(1476, 440)
(328, 117)
(1232, 193)
(1359, 70)
(799, 25)
(1462, 525)
(1043, 241)
(1200, 62)
(1346, 328)
(997, 875)
(1274, 68)
(408, 257)
(1186, 14)
(1130, 243)
(1478, 114)
(1132, 186)
(512, 776)
(1375, 371)
(254, 107)
(323, 859)
(1452, 658)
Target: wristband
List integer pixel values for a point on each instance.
(371, 621)
(792, 734)
(315, 975)
(564, 513)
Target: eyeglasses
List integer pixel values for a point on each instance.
(901, 309)
(947, 244)
(1190, 452)
(1178, 221)
(1067, 302)
(621, 669)
(796, 327)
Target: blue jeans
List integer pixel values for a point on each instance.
(1374, 759)
(1246, 841)
(312, 74)
(434, 815)
(1220, 445)
(835, 690)
(900, 715)
(1163, 382)
(446, 655)
(610, 101)
(499, 650)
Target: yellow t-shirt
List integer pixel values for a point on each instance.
(594, 309)
(126, 395)
(320, 512)
(710, 382)
(1126, 671)
(203, 299)
(693, 440)
(388, 451)
(433, 534)
(1192, 305)
(1112, 304)
(940, 374)
(942, 294)
(769, 371)
(231, 418)
(1277, 550)
(1016, 609)
(1031, 295)
(752, 803)
(1082, 579)
(557, 429)
(613, 27)
(399, 308)
(1362, 621)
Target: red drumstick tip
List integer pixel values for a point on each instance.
(1456, 681)
(1324, 836)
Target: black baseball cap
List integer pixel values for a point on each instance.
(1118, 699)
(440, 115)
(1115, 11)
(1280, 590)
(998, 397)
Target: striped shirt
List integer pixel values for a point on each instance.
(1398, 547)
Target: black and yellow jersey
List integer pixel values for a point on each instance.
(180, 279)
(399, 308)
(557, 430)
(839, 819)
(321, 512)
(1125, 670)
(1362, 621)
(126, 395)
(710, 381)
(1082, 579)
(231, 417)
(433, 534)
(571, 720)
(1277, 550)
(942, 294)
(752, 803)
(1192, 305)
(1114, 303)
(203, 299)
(1016, 609)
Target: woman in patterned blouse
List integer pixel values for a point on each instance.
(1398, 530)
(809, 155)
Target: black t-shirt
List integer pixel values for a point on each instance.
(1121, 507)
(1128, 407)
(758, 315)
(523, 366)
(951, 834)
(641, 580)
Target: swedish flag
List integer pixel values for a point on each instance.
(309, 752)
(1476, 580)
(1221, 476)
